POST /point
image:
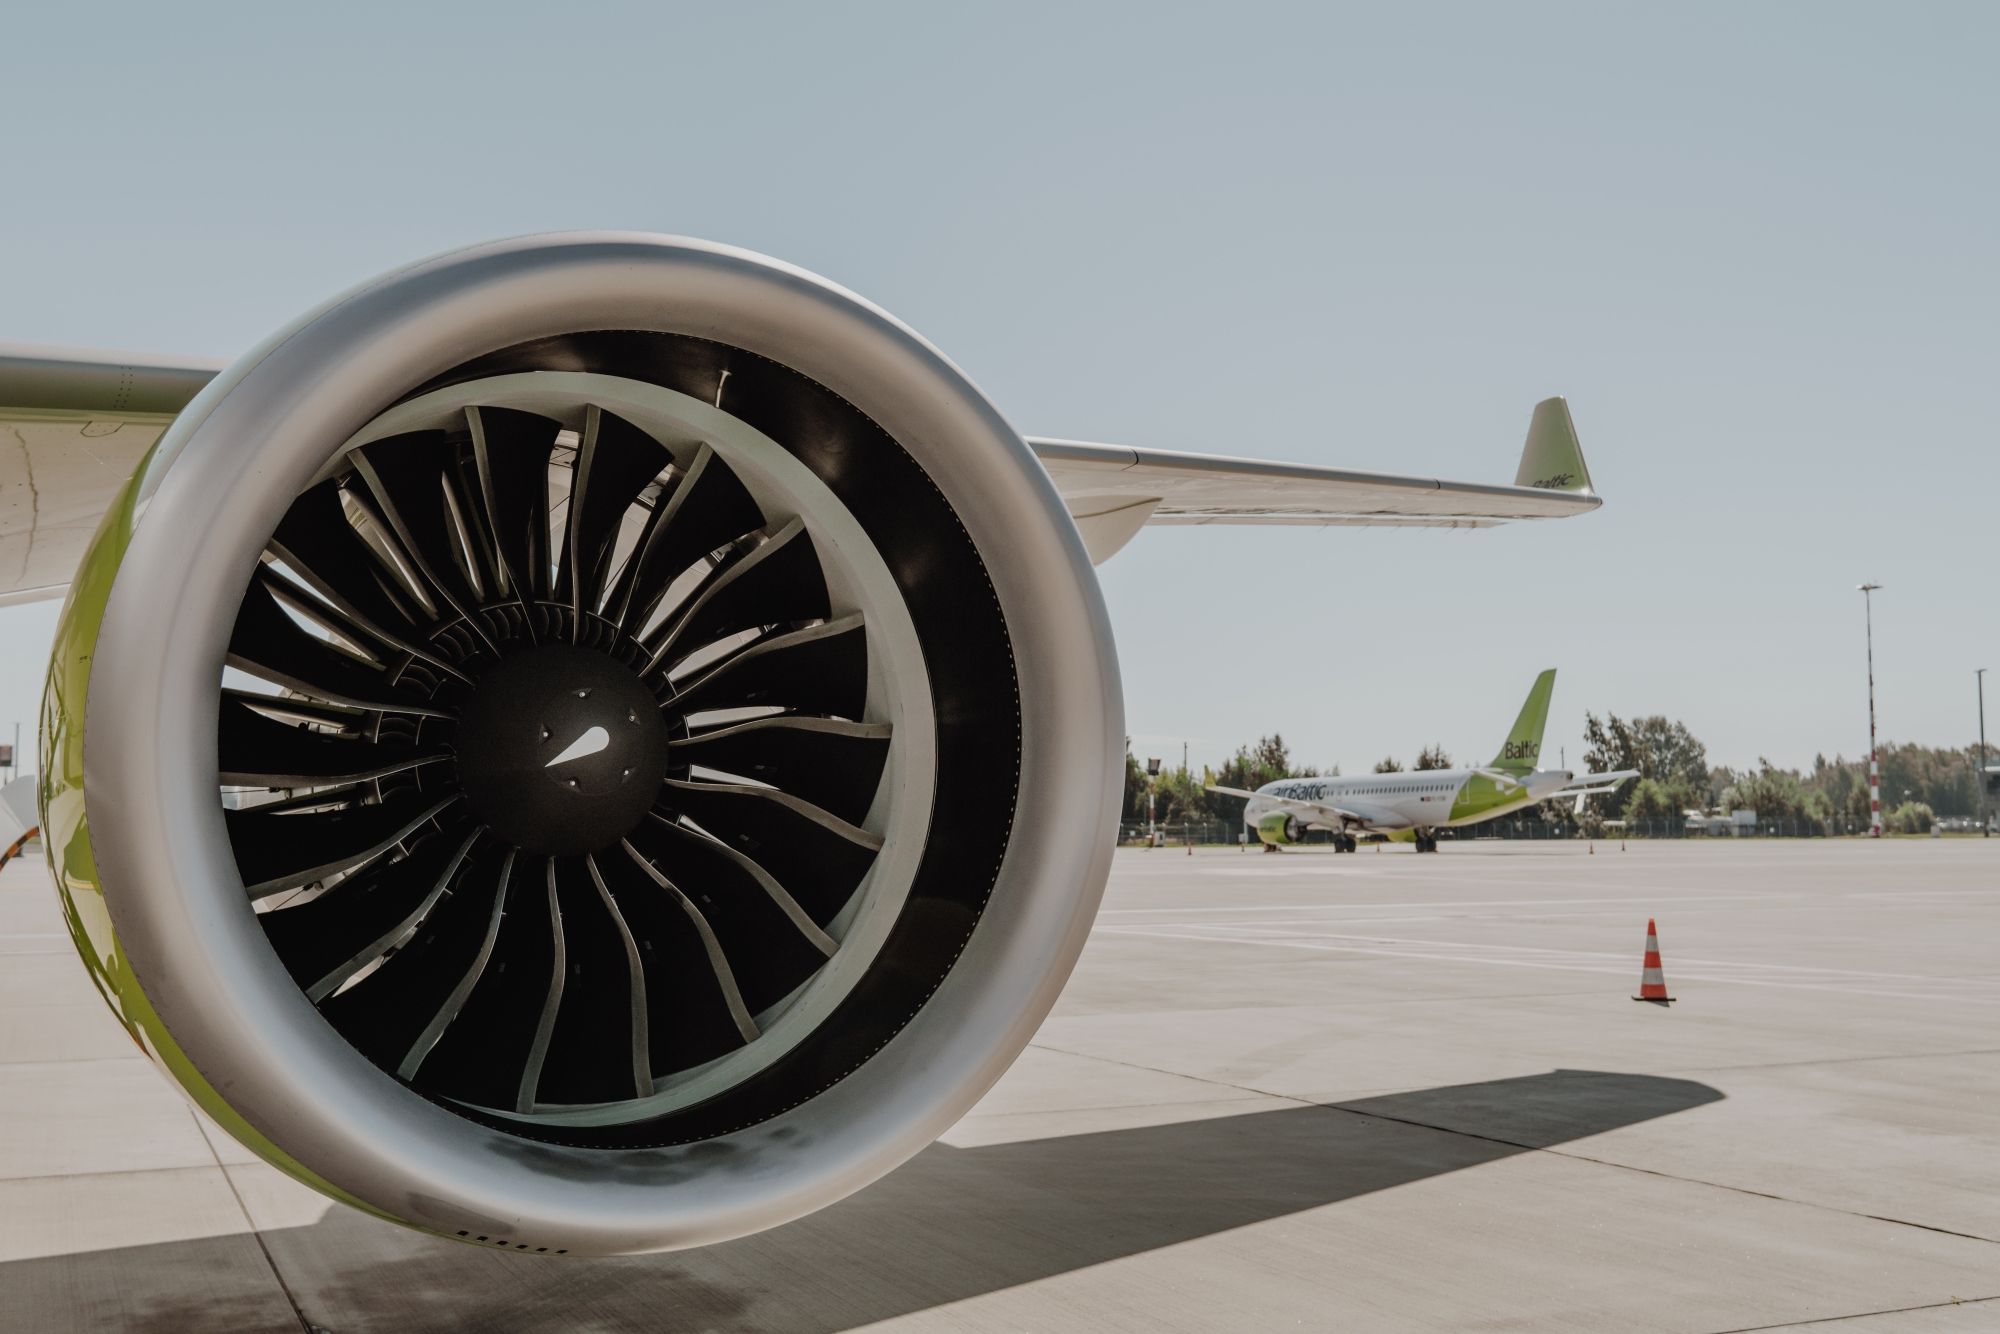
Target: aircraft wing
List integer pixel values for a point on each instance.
(1585, 785)
(1324, 812)
(1591, 785)
(17, 809)
(1114, 490)
(75, 422)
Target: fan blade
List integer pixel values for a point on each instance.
(816, 856)
(779, 582)
(718, 962)
(276, 852)
(639, 1023)
(834, 765)
(395, 1012)
(708, 510)
(614, 462)
(820, 669)
(591, 1053)
(268, 643)
(772, 943)
(512, 450)
(489, 1054)
(318, 542)
(326, 940)
(412, 478)
(300, 710)
(688, 1017)
(259, 751)
(326, 616)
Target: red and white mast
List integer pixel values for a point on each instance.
(1874, 768)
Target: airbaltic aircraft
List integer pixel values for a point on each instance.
(594, 743)
(1418, 804)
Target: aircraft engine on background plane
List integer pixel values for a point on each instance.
(587, 744)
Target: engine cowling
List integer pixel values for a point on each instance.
(1278, 828)
(589, 744)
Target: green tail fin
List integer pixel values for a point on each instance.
(1524, 744)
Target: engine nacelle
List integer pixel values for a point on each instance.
(589, 744)
(1277, 829)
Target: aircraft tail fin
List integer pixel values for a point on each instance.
(1552, 459)
(1523, 749)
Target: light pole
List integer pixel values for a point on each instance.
(1186, 828)
(1985, 811)
(1874, 770)
(1152, 789)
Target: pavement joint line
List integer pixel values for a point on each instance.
(1859, 1315)
(1491, 962)
(1970, 979)
(113, 1172)
(263, 1246)
(1626, 900)
(1549, 1149)
(1838, 1060)
(1370, 1002)
(69, 1062)
(1112, 1106)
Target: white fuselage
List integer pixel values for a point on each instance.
(1422, 799)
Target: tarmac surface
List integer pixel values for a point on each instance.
(1372, 1092)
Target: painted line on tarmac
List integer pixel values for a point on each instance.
(1943, 979)
(1477, 903)
(1492, 962)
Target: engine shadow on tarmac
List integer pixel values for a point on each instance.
(954, 1223)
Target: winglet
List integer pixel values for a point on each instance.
(1552, 460)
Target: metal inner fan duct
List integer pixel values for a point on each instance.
(576, 748)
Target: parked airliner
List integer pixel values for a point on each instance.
(1418, 804)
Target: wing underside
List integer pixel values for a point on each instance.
(74, 423)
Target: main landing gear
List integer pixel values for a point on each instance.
(1345, 842)
(1426, 841)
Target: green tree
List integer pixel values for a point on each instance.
(1661, 749)
(1388, 764)
(1182, 797)
(1774, 793)
(1134, 808)
(1433, 757)
(1912, 817)
(1651, 799)
(1249, 769)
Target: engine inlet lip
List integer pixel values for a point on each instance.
(216, 487)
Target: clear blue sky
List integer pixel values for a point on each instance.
(1753, 244)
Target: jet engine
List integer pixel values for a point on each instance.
(589, 744)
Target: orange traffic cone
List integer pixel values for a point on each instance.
(1652, 981)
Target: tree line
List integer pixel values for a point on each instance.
(1181, 796)
(1919, 783)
